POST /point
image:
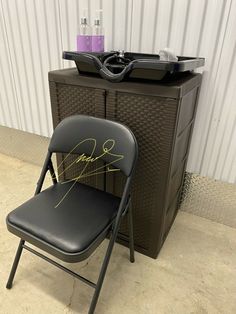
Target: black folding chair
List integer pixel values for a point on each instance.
(69, 219)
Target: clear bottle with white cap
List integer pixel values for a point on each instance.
(84, 37)
(98, 34)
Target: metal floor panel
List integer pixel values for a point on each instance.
(209, 198)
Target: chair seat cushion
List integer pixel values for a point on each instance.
(82, 214)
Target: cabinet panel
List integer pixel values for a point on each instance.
(175, 183)
(187, 109)
(69, 100)
(181, 149)
(152, 119)
(170, 215)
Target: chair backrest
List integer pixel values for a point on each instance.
(91, 137)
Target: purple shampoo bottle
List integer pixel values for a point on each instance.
(84, 38)
(97, 35)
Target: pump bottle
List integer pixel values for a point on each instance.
(84, 38)
(97, 34)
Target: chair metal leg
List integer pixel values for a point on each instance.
(131, 234)
(102, 273)
(15, 264)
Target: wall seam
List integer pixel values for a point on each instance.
(11, 70)
(131, 24)
(60, 26)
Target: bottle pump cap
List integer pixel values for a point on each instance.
(97, 21)
(84, 19)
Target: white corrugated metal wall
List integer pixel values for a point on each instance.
(33, 33)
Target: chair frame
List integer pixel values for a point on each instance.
(125, 207)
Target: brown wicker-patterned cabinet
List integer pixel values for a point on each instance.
(161, 115)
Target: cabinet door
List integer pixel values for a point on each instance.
(70, 100)
(153, 121)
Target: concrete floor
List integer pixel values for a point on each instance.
(195, 271)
